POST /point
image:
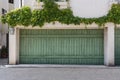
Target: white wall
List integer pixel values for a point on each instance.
(35, 5)
(82, 8)
(0, 6)
(0, 22)
(11, 6)
(28, 2)
(17, 3)
(5, 4)
(3, 27)
(90, 8)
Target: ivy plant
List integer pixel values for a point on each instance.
(51, 13)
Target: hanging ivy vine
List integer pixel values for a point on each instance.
(51, 13)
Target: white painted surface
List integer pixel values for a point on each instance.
(13, 47)
(58, 25)
(3, 31)
(35, 5)
(3, 27)
(4, 4)
(90, 8)
(0, 22)
(11, 7)
(28, 3)
(17, 4)
(0, 6)
(81, 8)
(109, 53)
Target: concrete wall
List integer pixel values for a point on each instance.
(0, 5)
(81, 8)
(0, 22)
(17, 3)
(35, 5)
(11, 6)
(5, 4)
(28, 2)
(3, 27)
(90, 8)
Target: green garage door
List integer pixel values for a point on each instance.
(117, 46)
(61, 47)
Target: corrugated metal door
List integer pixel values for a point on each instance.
(117, 46)
(61, 47)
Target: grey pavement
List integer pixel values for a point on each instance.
(81, 73)
(3, 61)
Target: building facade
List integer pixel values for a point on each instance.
(67, 44)
(3, 27)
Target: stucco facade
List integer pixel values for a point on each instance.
(3, 27)
(109, 29)
(79, 9)
(93, 8)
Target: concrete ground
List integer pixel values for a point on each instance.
(66, 72)
(81, 73)
(3, 61)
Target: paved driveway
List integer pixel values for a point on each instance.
(3, 61)
(59, 74)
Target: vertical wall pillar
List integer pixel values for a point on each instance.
(22, 2)
(109, 55)
(14, 47)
